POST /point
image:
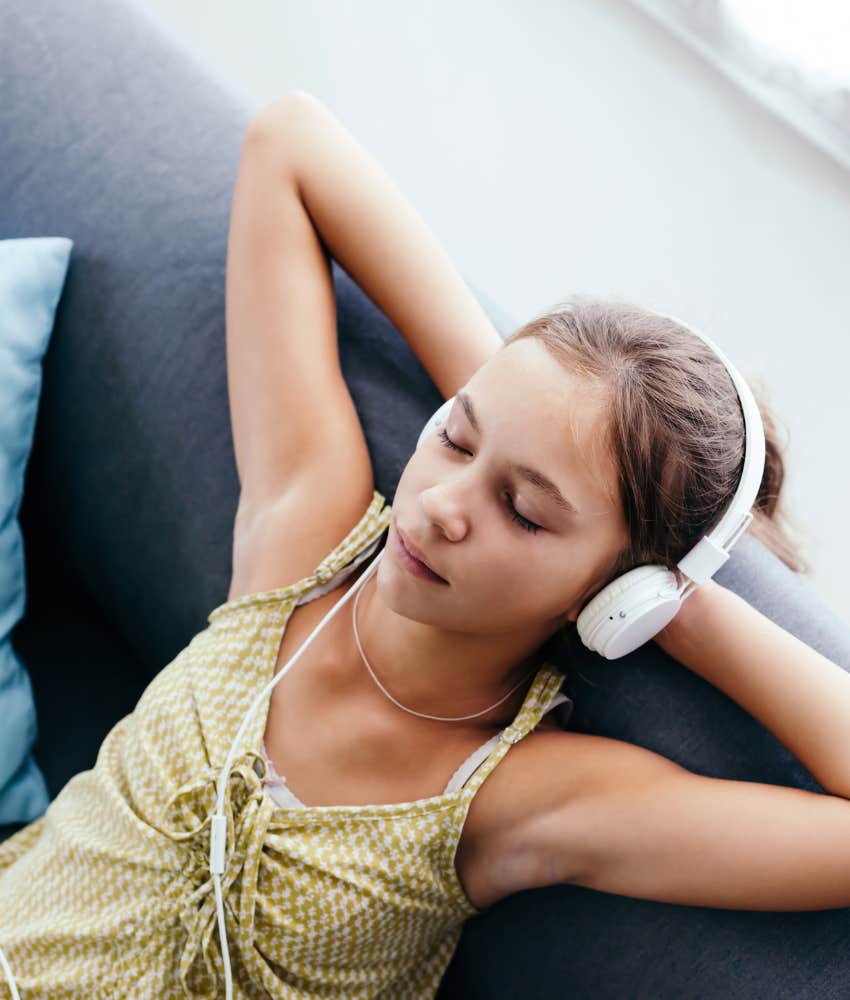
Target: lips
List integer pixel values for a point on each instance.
(416, 553)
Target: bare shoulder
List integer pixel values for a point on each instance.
(524, 826)
(284, 539)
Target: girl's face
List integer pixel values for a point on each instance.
(514, 555)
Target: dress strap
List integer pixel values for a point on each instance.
(368, 529)
(542, 695)
(337, 576)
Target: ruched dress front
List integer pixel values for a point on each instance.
(109, 895)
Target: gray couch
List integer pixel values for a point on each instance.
(113, 136)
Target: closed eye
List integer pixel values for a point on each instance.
(523, 522)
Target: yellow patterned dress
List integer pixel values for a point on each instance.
(108, 894)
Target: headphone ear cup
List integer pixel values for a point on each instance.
(629, 611)
(437, 418)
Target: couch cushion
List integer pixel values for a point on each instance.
(32, 273)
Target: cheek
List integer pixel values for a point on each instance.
(531, 586)
(509, 583)
(419, 474)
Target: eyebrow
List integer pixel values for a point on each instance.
(532, 476)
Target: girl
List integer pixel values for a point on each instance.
(361, 832)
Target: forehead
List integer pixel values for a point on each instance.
(560, 417)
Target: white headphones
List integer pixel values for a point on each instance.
(634, 607)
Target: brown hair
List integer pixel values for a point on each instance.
(675, 428)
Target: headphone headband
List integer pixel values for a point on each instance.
(712, 551)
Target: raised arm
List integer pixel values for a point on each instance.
(640, 825)
(620, 818)
(799, 695)
(380, 239)
(306, 190)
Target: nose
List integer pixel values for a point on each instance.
(444, 506)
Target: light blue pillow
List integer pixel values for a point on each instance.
(32, 275)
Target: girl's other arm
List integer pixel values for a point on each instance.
(799, 695)
(620, 818)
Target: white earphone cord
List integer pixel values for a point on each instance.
(9, 977)
(218, 824)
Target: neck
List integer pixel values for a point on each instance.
(440, 673)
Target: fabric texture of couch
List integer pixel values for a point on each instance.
(117, 138)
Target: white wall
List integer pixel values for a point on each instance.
(577, 147)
